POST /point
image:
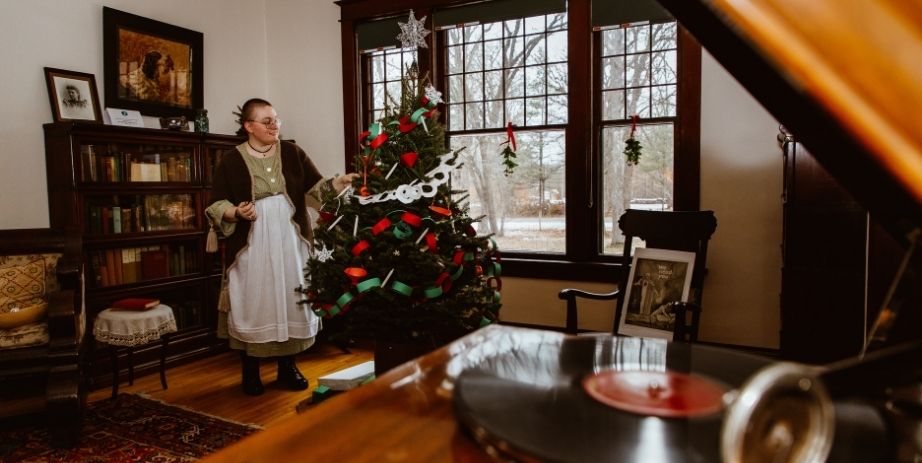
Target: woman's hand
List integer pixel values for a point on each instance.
(245, 211)
(341, 182)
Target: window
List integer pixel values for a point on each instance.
(638, 65)
(569, 75)
(383, 70)
(513, 71)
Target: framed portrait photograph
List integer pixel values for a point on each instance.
(658, 277)
(73, 95)
(150, 66)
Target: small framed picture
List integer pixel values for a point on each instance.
(658, 277)
(73, 95)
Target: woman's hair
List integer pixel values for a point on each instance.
(245, 112)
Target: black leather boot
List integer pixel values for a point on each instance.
(289, 376)
(252, 384)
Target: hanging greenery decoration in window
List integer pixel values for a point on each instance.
(632, 147)
(508, 152)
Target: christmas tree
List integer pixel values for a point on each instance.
(397, 256)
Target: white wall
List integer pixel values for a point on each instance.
(305, 83)
(741, 180)
(289, 52)
(237, 54)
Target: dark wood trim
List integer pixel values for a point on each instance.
(687, 161)
(354, 10)
(352, 113)
(582, 194)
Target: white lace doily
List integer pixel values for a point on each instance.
(133, 327)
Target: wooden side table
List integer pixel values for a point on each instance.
(130, 329)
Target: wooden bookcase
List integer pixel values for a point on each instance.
(139, 197)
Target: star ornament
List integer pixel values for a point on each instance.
(324, 254)
(413, 33)
(433, 95)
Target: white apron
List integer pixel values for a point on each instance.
(262, 282)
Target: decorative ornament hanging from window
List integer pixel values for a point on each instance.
(632, 146)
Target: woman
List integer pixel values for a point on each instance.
(260, 191)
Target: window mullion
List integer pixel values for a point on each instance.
(581, 164)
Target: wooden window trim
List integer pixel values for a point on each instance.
(583, 260)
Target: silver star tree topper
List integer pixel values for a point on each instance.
(412, 33)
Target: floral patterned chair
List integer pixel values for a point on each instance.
(42, 322)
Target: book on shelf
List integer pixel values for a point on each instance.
(117, 267)
(155, 264)
(116, 219)
(136, 221)
(94, 219)
(145, 172)
(135, 303)
(131, 265)
(349, 378)
(88, 153)
(126, 220)
(105, 220)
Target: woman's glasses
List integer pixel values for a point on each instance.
(269, 122)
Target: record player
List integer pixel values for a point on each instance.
(558, 399)
(845, 81)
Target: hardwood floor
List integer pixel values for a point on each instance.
(212, 385)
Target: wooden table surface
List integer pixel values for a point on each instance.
(404, 416)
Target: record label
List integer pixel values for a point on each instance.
(664, 394)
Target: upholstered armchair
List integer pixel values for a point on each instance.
(42, 322)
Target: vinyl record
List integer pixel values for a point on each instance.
(524, 400)
(528, 402)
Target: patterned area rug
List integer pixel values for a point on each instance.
(129, 428)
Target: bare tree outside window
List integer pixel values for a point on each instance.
(638, 76)
(511, 71)
(383, 71)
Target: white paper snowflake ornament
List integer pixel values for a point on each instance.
(324, 254)
(433, 95)
(413, 33)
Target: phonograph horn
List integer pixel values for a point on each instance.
(783, 413)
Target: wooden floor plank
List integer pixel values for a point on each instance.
(212, 385)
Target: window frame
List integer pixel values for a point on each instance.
(367, 85)
(583, 259)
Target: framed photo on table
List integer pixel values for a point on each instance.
(151, 66)
(73, 95)
(658, 277)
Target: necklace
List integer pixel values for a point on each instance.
(258, 151)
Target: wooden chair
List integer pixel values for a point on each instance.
(682, 231)
(40, 361)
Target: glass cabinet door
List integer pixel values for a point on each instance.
(139, 213)
(115, 266)
(136, 162)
